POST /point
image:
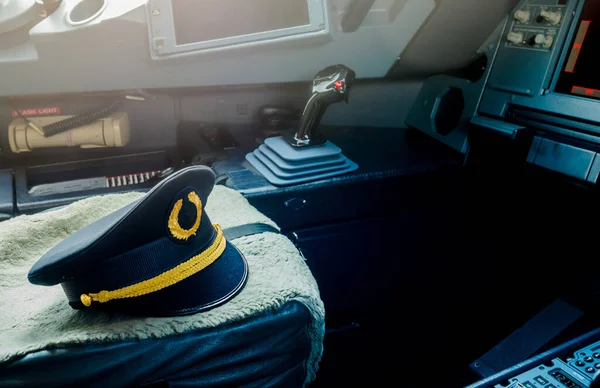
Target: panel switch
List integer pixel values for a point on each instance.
(548, 41)
(540, 39)
(523, 16)
(515, 37)
(535, 40)
(551, 16)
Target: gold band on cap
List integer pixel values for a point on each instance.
(165, 279)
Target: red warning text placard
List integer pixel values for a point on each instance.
(37, 111)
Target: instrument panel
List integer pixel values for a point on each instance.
(577, 371)
(108, 45)
(535, 26)
(528, 53)
(539, 80)
(558, 375)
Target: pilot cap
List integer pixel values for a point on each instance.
(158, 256)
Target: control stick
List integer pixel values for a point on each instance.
(331, 85)
(290, 160)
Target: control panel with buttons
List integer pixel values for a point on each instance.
(533, 39)
(573, 372)
(587, 359)
(534, 26)
(556, 374)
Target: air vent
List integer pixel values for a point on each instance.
(85, 11)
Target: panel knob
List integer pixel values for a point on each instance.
(523, 16)
(535, 40)
(548, 41)
(540, 39)
(551, 16)
(515, 37)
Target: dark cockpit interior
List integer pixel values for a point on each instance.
(433, 166)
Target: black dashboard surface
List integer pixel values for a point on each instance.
(398, 169)
(379, 152)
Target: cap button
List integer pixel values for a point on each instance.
(86, 300)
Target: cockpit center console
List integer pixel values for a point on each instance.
(540, 79)
(575, 364)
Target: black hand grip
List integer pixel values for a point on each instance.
(313, 113)
(331, 85)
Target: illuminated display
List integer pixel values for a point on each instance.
(579, 39)
(580, 74)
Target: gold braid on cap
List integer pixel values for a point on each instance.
(176, 230)
(165, 279)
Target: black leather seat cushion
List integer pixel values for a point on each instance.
(268, 350)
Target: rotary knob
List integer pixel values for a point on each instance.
(535, 40)
(515, 37)
(551, 17)
(540, 39)
(523, 16)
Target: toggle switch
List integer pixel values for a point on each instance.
(540, 39)
(551, 16)
(523, 16)
(535, 40)
(548, 41)
(515, 37)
